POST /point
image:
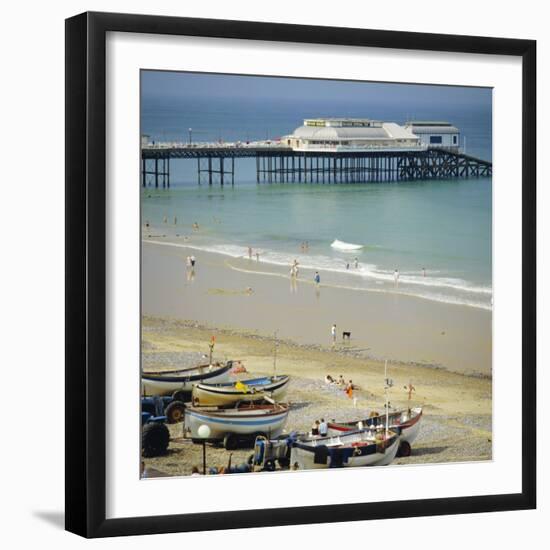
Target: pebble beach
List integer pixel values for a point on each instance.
(457, 419)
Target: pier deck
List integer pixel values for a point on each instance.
(277, 163)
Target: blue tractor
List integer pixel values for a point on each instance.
(172, 407)
(155, 436)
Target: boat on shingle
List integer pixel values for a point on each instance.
(255, 389)
(368, 447)
(167, 382)
(405, 422)
(231, 423)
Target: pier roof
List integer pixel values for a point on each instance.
(386, 130)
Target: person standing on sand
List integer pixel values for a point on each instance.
(333, 334)
(396, 277)
(192, 258)
(317, 278)
(249, 252)
(257, 256)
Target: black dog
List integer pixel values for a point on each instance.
(346, 335)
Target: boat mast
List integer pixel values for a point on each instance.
(275, 355)
(387, 385)
(211, 346)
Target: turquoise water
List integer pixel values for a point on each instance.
(441, 226)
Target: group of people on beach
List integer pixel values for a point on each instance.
(355, 263)
(250, 251)
(320, 428)
(348, 387)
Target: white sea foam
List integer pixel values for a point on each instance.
(429, 287)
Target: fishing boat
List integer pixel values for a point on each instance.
(367, 447)
(250, 390)
(244, 420)
(405, 422)
(341, 245)
(168, 382)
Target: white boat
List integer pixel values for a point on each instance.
(405, 422)
(255, 389)
(243, 419)
(168, 382)
(341, 245)
(351, 449)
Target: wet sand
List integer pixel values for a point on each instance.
(383, 325)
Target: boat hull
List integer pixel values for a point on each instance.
(227, 394)
(315, 455)
(166, 383)
(254, 420)
(406, 423)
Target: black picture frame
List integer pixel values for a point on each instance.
(86, 273)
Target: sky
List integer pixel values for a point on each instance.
(169, 85)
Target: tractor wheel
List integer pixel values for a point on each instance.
(154, 439)
(284, 463)
(404, 449)
(181, 395)
(175, 412)
(230, 442)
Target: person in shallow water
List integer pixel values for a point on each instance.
(317, 277)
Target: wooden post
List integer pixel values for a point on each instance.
(143, 172)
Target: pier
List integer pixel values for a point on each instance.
(276, 163)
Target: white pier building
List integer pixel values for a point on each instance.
(436, 134)
(353, 135)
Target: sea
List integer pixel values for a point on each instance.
(437, 234)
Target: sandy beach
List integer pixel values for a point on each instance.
(457, 408)
(383, 325)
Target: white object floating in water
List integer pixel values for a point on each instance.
(341, 245)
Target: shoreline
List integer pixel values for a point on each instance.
(384, 325)
(379, 278)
